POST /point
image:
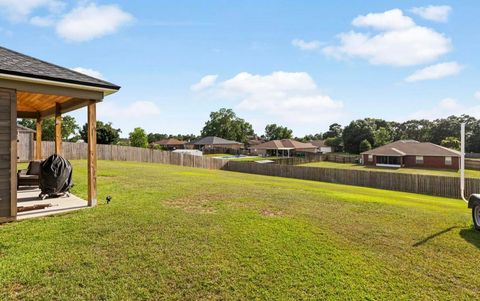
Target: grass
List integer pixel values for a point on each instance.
(217, 155)
(175, 233)
(437, 172)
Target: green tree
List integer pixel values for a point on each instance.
(382, 136)
(69, 128)
(225, 124)
(276, 132)
(311, 137)
(334, 130)
(419, 130)
(153, 137)
(336, 143)
(138, 138)
(451, 142)
(106, 133)
(365, 146)
(355, 133)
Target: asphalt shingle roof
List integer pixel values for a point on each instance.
(211, 140)
(285, 144)
(170, 141)
(412, 148)
(15, 63)
(21, 128)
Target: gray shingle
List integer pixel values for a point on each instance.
(211, 140)
(412, 148)
(14, 63)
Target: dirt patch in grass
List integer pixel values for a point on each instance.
(195, 203)
(269, 212)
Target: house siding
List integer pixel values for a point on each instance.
(431, 162)
(8, 153)
(428, 162)
(366, 162)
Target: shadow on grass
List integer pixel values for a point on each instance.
(426, 239)
(471, 236)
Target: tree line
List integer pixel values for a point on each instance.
(358, 136)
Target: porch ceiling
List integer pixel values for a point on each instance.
(34, 105)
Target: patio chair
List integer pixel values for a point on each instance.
(29, 176)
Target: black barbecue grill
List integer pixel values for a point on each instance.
(55, 177)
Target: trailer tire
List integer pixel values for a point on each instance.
(476, 216)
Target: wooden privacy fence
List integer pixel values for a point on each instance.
(423, 184)
(78, 151)
(472, 164)
(299, 160)
(342, 158)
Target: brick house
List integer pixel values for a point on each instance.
(213, 144)
(283, 148)
(171, 144)
(411, 153)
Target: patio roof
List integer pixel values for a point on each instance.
(42, 87)
(18, 64)
(32, 88)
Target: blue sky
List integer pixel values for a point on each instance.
(303, 64)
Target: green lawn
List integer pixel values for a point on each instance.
(175, 233)
(436, 172)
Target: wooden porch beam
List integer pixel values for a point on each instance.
(30, 115)
(58, 129)
(38, 143)
(92, 154)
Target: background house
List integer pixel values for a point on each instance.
(283, 148)
(321, 147)
(411, 153)
(212, 144)
(170, 144)
(25, 144)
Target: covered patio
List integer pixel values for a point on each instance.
(389, 161)
(31, 88)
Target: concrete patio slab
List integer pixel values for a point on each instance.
(29, 197)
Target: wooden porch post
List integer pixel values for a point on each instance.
(58, 129)
(38, 144)
(92, 154)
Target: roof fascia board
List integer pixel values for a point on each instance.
(36, 85)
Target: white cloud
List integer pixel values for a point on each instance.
(477, 95)
(42, 21)
(449, 104)
(304, 45)
(433, 13)
(399, 43)
(290, 96)
(205, 82)
(18, 10)
(446, 107)
(89, 72)
(89, 21)
(391, 19)
(137, 109)
(435, 72)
